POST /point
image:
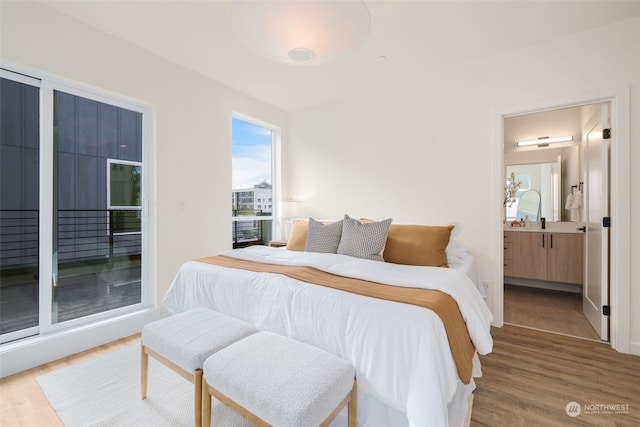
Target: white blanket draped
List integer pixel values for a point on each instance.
(400, 351)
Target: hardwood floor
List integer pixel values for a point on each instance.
(547, 310)
(528, 380)
(531, 376)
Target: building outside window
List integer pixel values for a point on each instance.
(252, 181)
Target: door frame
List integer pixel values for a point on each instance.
(76, 335)
(620, 207)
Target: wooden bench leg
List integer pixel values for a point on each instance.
(144, 371)
(206, 404)
(197, 402)
(353, 405)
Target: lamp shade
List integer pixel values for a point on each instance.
(290, 209)
(301, 32)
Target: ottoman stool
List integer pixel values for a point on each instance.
(184, 341)
(274, 380)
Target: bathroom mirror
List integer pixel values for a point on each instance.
(544, 178)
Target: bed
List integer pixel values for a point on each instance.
(405, 368)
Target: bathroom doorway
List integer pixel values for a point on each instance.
(544, 154)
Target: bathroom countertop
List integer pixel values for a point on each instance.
(552, 227)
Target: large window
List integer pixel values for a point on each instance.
(71, 218)
(252, 198)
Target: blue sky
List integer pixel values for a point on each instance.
(251, 154)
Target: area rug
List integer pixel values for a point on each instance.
(105, 391)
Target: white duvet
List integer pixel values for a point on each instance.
(405, 371)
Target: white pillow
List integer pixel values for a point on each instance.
(455, 251)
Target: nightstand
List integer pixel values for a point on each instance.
(277, 243)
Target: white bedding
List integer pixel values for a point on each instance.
(406, 374)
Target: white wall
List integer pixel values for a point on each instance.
(421, 151)
(193, 123)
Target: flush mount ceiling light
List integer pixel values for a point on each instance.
(544, 141)
(301, 32)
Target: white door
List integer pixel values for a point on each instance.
(596, 207)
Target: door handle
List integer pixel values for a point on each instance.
(550, 241)
(583, 229)
(543, 240)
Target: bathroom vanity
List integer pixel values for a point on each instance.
(551, 255)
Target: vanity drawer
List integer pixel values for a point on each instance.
(508, 250)
(508, 267)
(508, 254)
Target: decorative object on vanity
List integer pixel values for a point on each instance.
(529, 206)
(511, 189)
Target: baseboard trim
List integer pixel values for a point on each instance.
(34, 351)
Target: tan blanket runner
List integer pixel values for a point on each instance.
(439, 302)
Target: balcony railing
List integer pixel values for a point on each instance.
(98, 265)
(81, 234)
(251, 230)
(19, 238)
(89, 233)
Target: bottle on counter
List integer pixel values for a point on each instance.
(544, 223)
(527, 222)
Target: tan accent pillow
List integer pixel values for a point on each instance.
(417, 245)
(298, 236)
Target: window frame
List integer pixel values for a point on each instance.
(276, 137)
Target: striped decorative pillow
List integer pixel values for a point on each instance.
(323, 237)
(363, 240)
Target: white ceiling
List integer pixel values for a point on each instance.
(413, 35)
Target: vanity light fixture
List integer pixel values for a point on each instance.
(544, 141)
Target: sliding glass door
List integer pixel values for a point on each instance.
(72, 217)
(97, 245)
(19, 206)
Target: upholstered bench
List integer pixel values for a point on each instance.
(184, 341)
(273, 380)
